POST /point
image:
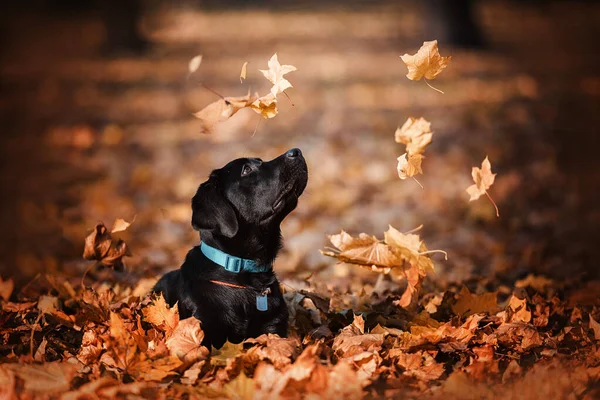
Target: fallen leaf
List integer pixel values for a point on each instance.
(468, 304)
(195, 63)
(595, 326)
(275, 75)
(426, 62)
(353, 340)
(227, 351)
(6, 288)
(241, 387)
(50, 377)
(243, 72)
(47, 304)
(483, 179)
(519, 312)
(120, 225)
(280, 351)
(186, 341)
(160, 315)
(221, 110)
(99, 246)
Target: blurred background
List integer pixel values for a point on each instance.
(97, 125)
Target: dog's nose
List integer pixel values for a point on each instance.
(293, 153)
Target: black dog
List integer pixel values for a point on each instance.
(228, 282)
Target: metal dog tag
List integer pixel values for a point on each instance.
(262, 303)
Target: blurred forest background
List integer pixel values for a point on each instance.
(97, 125)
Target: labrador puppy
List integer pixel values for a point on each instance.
(228, 282)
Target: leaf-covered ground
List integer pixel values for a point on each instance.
(89, 138)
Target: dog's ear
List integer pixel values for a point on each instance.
(212, 212)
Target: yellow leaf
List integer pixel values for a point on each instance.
(195, 63)
(483, 179)
(411, 166)
(416, 134)
(468, 304)
(227, 351)
(265, 106)
(243, 72)
(221, 110)
(275, 75)
(120, 225)
(427, 62)
(159, 314)
(241, 388)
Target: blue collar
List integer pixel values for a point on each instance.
(232, 263)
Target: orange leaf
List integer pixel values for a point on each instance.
(160, 315)
(426, 62)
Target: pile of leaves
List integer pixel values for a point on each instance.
(64, 340)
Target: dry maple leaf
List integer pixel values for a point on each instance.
(99, 246)
(415, 133)
(411, 248)
(160, 315)
(221, 110)
(280, 351)
(483, 179)
(265, 106)
(227, 351)
(186, 341)
(352, 339)
(243, 71)
(468, 303)
(427, 62)
(275, 75)
(409, 165)
(518, 310)
(364, 250)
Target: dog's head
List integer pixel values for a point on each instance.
(248, 194)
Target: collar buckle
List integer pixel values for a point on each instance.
(233, 264)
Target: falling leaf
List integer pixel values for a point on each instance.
(99, 246)
(243, 72)
(483, 179)
(120, 225)
(409, 167)
(416, 134)
(275, 75)
(265, 106)
(411, 248)
(426, 62)
(221, 110)
(195, 63)
(186, 341)
(469, 304)
(364, 250)
(6, 288)
(159, 314)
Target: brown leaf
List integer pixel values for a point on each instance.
(364, 250)
(280, 351)
(6, 288)
(99, 246)
(221, 110)
(275, 75)
(518, 308)
(186, 341)
(50, 377)
(160, 315)
(47, 304)
(352, 339)
(416, 134)
(426, 62)
(409, 167)
(483, 179)
(469, 304)
(411, 248)
(595, 326)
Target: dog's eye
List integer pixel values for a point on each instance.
(246, 169)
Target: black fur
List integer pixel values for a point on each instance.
(238, 210)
